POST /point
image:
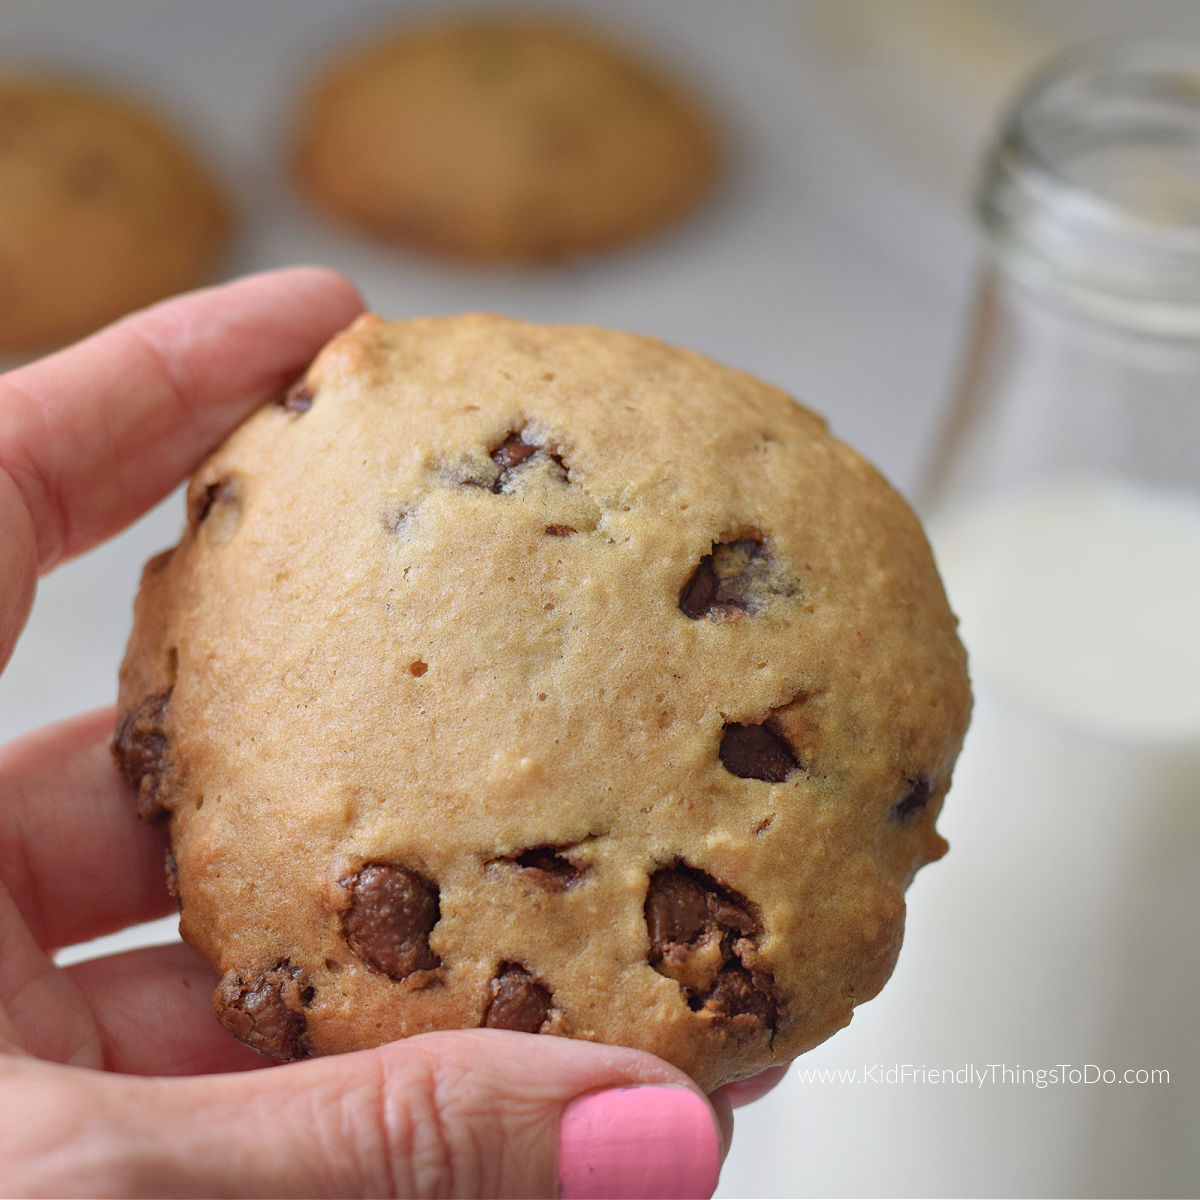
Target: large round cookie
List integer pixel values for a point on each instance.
(500, 138)
(102, 210)
(547, 678)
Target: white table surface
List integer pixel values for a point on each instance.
(836, 261)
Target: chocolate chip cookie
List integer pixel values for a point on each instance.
(499, 138)
(542, 678)
(102, 210)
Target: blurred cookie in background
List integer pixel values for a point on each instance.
(502, 139)
(103, 209)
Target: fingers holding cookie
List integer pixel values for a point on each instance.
(94, 435)
(73, 855)
(152, 1009)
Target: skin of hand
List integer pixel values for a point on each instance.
(115, 1079)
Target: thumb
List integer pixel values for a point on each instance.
(473, 1113)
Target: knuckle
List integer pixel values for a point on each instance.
(428, 1126)
(405, 1133)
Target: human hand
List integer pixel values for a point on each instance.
(115, 1079)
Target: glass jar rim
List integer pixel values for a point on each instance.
(1109, 242)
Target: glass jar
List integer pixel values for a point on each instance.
(1064, 507)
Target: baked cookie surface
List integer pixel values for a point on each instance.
(502, 139)
(102, 210)
(546, 678)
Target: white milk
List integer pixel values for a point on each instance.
(1074, 905)
(1063, 929)
(1083, 599)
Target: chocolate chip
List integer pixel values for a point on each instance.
(140, 749)
(202, 499)
(738, 577)
(914, 800)
(391, 914)
(559, 530)
(699, 932)
(518, 1001)
(266, 1012)
(740, 992)
(512, 452)
(509, 455)
(298, 398)
(758, 752)
(683, 904)
(547, 867)
(222, 495)
(699, 596)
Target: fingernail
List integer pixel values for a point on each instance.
(658, 1142)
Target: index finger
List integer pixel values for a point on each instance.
(94, 435)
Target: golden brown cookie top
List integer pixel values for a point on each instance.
(102, 210)
(546, 677)
(502, 138)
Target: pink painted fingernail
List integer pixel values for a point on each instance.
(658, 1142)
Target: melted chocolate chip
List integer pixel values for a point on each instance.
(298, 398)
(391, 914)
(140, 748)
(267, 1011)
(205, 496)
(699, 932)
(512, 452)
(518, 1001)
(509, 455)
(548, 868)
(683, 904)
(758, 752)
(699, 596)
(206, 501)
(740, 992)
(914, 800)
(738, 577)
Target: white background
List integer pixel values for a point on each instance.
(835, 260)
